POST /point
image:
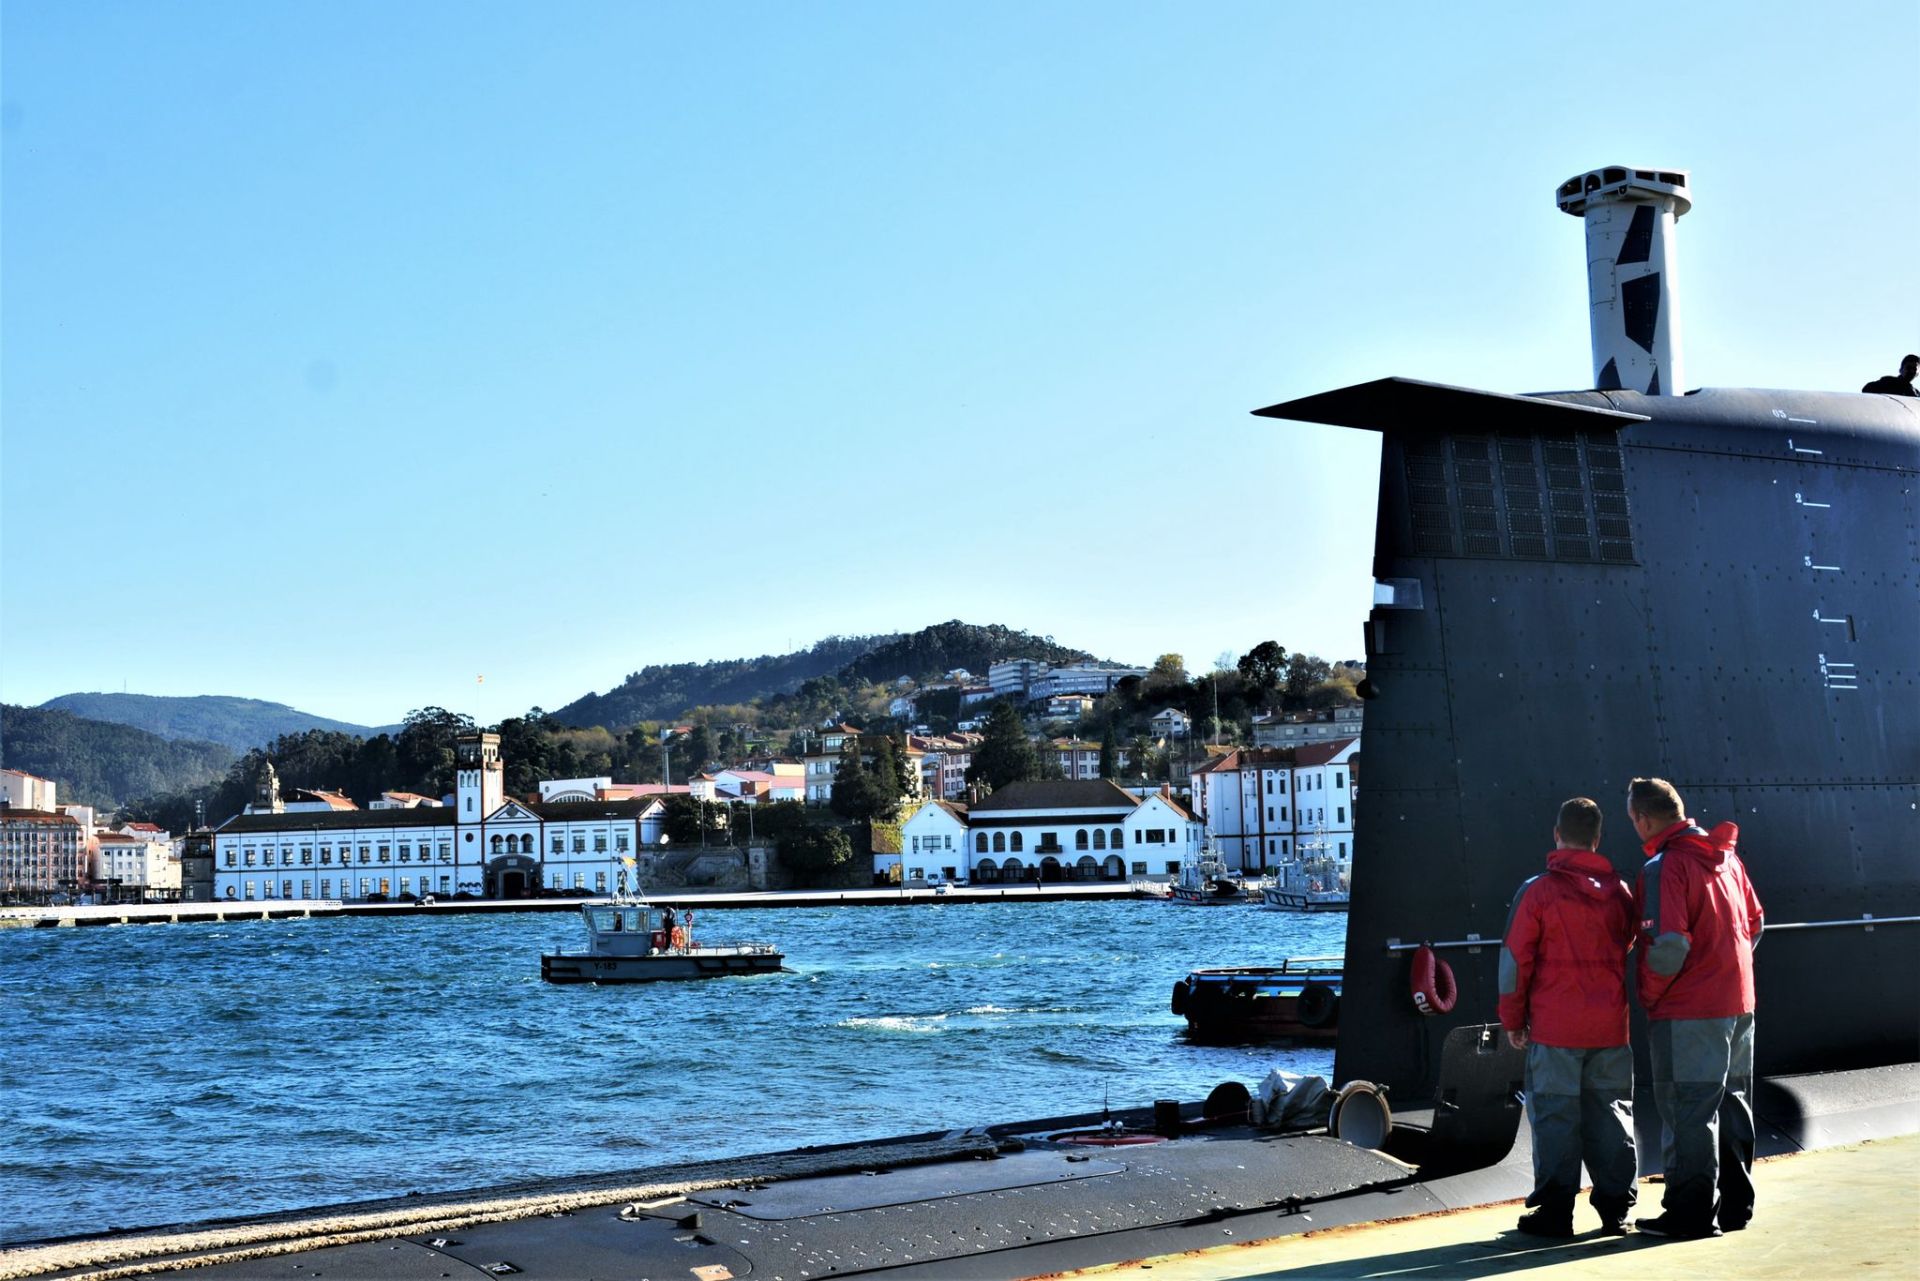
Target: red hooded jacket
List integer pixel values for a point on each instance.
(1563, 962)
(1699, 921)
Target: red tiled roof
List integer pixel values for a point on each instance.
(1321, 753)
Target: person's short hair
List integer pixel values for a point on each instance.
(1655, 798)
(1579, 823)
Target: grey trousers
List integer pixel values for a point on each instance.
(1580, 1105)
(1703, 1086)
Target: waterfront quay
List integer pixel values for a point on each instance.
(286, 909)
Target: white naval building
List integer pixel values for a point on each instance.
(485, 844)
(1057, 830)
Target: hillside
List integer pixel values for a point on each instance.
(664, 691)
(667, 691)
(936, 650)
(102, 764)
(238, 723)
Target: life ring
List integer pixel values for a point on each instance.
(679, 936)
(1180, 997)
(1434, 990)
(1317, 1006)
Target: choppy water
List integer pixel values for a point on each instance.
(157, 1073)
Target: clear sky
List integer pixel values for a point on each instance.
(353, 352)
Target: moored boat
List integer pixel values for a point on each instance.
(1310, 899)
(1206, 882)
(629, 942)
(1297, 999)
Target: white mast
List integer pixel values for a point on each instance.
(1630, 216)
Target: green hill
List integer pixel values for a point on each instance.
(102, 764)
(937, 650)
(667, 691)
(664, 691)
(238, 723)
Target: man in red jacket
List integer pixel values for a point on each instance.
(1699, 921)
(1563, 998)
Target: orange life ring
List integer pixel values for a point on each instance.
(1434, 990)
(679, 936)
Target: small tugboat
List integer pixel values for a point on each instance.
(1206, 882)
(629, 941)
(1298, 999)
(1311, 883)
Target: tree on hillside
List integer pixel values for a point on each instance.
(423, 749)
(1304, 671)
(1109, 752)
(815, 851)
(1169, 672)
(1263, 668)
(865, 792)
(1005, 755)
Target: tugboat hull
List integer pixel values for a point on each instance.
(719, 963)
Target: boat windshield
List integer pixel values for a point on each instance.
(608, 920)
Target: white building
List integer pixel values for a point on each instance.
(934, 839)
(410, 800)
(1052, 682)
(1259, 804)
(1170, 722)
(24, 791)
(1297, 728)
(485, 844)
(822, 761)
(137, 863)
(1057, 830)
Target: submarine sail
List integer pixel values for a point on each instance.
(1720, 588)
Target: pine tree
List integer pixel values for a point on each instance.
(1005, 755)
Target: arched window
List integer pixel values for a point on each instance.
(980, 843)
(496, 845)
(1019, 842)
(1000, 842)
(1099, 838)
(1080, 839)
(1118, 840)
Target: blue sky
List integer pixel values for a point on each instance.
(353, 352)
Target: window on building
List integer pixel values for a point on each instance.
(326, 855)
(249, 889)
(366, 853)
(579, 843)
(1080, 841)
(1343, 849)
(979, 843)
(385, 855)
(1283, 813)
(1019, 842)
(559, 844)
(1269, 813)
(999, 842)
(1340, 814)
(446, 851)
(306, 889)
(1339, 779)
(600, 843)
(579, 880)
(231, 860)
(286, 889)
(620, 843)
(1099, 838)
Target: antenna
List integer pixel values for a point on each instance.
(1630, 216)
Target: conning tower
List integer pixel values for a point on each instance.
(1630, 216)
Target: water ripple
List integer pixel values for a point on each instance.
(178, 1072)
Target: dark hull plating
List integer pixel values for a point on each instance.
(1722, 589)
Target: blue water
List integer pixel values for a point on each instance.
(158, 1073)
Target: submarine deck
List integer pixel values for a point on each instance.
(1828, 1212)
(990, 1202)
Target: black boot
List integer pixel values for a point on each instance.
(1543, 1221)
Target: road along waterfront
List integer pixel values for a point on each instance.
(155, 1076)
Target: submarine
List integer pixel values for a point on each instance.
(1720, 587)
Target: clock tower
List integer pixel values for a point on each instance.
(479, 777)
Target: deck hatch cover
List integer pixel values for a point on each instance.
(803, 1198)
